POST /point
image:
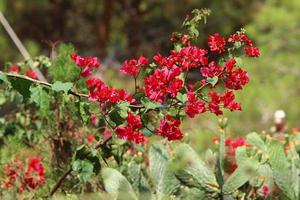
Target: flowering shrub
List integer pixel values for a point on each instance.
(89, 127)
(21, 178)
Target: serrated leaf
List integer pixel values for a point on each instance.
(240, 176)
(41, 98)
(117, 185)
(21, 85)
(280, 167)
(59, 86)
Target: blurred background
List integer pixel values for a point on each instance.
(115, 30)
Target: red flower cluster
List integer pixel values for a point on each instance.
(85, 63)
(169, 128)
(30, 179)
(14, 69)
(162, 83)
(35, 174)
(31, 73)
(167, 76)
(130, 132)
(249, 48)
(133, 66)
(216, 43)
(227, 99)
(194, 105)
(231, 146)
(211, 70)
(103, 93)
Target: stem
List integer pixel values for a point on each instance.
(41, 83)
(50, 85)
(60, 181)
(64, 176)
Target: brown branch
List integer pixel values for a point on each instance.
(64, 176)
(60, 181)
(41, 83)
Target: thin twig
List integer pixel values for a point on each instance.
(60, 181)
(67, 173)
(40, 83)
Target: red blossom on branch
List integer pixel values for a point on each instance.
(133, 66)
(216, 43)
(14, 69)
(169, 128)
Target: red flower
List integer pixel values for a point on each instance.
(231, 146)
(229, 65)
(194, 105)
(169, 128)
(252, 51)
(133, 66)
(85, 63)
(31, 73)
(228, 100)
(14, 69)
(134, 121)
(240, 37)
(91, 138)
(212, 70)
(265, 190)
(213, 105)
(216, 43)
(127, 133)
(163, 82)
(236, 79)
(103, 93)
(35, 174)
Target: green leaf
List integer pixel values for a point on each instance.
(213, 81)
(280, 166)
(241, 155)
(41, 98)
(119, 113)
(149, 105)
(84, 168)
(83, 111)
(255, 140)
(59, 86)
(240, 176)
(63, 68)
(192, 194)
(3, 78)
(187, 163)
(138, 180)
(181, 97)
(84, 152)
(164, 180)
(117, 185)
(21, 85)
